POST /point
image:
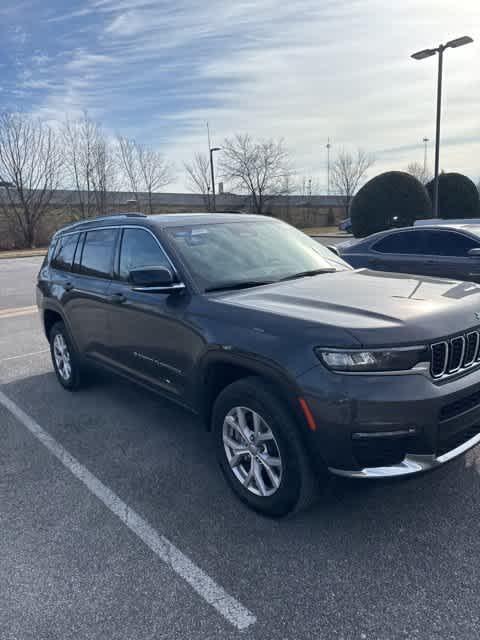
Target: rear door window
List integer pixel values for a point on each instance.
(97, 254)
(404, 242)
(64, 252)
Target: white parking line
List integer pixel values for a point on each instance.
(230, 608)
(25, 355)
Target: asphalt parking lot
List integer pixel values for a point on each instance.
(138, 537)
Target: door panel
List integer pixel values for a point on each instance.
(86, 302)
(149, 334)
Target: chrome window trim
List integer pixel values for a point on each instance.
(122, 226)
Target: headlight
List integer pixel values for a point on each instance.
(379, 360)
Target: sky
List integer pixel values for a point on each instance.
(304, 71)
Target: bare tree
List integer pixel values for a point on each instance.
(30, 163)
(146, 170)
(347, 173)
(198, 178)
(260, 168)
(128, 164)
(155, 171)
(104, 174)
(81, 139)
(420, 172)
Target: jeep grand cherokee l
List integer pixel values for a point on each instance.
(298, 364)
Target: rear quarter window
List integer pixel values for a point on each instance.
(64, 251)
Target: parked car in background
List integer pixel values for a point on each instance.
(445, 251)
(298, 364)
(345, 225)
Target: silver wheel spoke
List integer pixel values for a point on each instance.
(270, 461)
(274, 479)
(234, 445)
(237, 458)
(249, 476)
(257, 472)
(242, 423)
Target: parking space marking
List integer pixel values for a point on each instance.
(230, 608)
(17, 311)
(25, 355)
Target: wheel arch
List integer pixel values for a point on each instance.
(219, 370)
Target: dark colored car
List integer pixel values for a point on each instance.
(446, 251)
(299, 365)
(345, 225)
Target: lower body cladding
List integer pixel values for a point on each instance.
(382, 426)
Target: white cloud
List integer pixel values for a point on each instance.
(303, 71)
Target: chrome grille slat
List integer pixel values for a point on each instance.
(471, 348)
(455, 354)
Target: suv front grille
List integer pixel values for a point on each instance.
(455, 354)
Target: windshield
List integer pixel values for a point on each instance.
(229, 254)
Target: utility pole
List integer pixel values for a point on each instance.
(212, 170)
(425, 142)
(328, 166)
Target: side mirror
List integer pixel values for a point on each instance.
(155, 280)
(334, 250)
(474, 253)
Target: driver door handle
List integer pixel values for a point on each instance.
(117, 298)
(68, 286)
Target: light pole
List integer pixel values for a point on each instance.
(212, 149)
(328, 145)
(425, 142)
(421, 55)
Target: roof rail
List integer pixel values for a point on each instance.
(80, 223)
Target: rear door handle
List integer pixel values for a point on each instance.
(117, 298)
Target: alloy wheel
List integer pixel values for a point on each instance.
(252, 451)
(61, 354)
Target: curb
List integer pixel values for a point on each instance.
(5, 255)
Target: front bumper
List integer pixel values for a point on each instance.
(410, 465)
(384, 426)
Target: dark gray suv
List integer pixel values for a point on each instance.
(298, 364)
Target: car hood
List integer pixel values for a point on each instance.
(376, 308)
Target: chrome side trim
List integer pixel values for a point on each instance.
(179, 286)
(410, 465)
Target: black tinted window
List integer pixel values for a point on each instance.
(405, 242)
(97, 255)
(140, 250)
(448, 243)
(64, 252)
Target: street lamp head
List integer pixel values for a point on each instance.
(459, 42)
(216, 149)
(425, 53)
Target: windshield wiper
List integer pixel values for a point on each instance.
(230, 286)
(304, 274)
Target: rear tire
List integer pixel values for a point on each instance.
(260, 450)
(65, 358)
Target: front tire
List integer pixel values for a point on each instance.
(260, 451)
(65, 359)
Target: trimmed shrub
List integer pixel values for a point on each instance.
(457, 196)
(394, 198)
